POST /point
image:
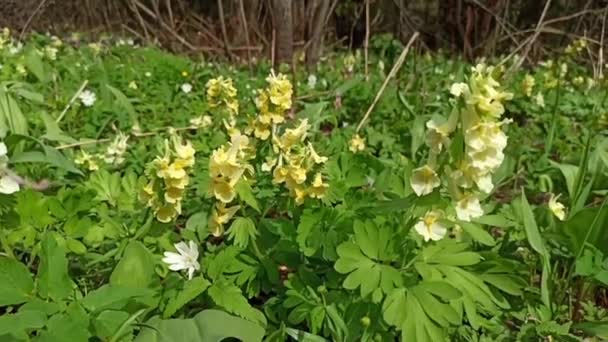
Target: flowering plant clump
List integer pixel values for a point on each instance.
(168, 179)
(465, 172)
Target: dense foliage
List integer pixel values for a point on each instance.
(150, 197)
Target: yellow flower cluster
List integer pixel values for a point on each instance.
(168, 178)
(221, 92)
(295, 163)
(227, 166)
(527, 85)
(477, 113)
(576, 46)
(87, 160)
(272, 103)
(5, 37)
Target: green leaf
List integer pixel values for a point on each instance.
(241, 231)
(206, 326)
(70, 326)
(135, 269)
(16, 284)
(34, 64)
(11, 117)
(108, 323)
(191, 289)
(363, 261)
(53, 132)
(19, 323)
(124, 103)
(229, 297)
(112, 297)
(530, 227)
(597, 329)
(477, 233)
(243, 189)
(570, 173)
(53, 279)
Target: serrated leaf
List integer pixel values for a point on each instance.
(230, 298)
(241, 231)
(243, 189)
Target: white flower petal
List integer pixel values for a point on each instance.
(8, 185)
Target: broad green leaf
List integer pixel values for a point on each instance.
(597, 329)
(19, 323)
(11, 117)
(477, 233)
(73, 325)
(108, 322)
(16, 284)
(191, 289)
(135, 269)
(53, 279)
(530, 227)
(53, 132)
(123, 102)
(206, 326)
(112, 297)
(33, 62)
(570, 173)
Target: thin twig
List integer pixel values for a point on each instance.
(534, 36)
(390, 75)
(220, 9)
(65, 110)
(134, 135)
(366, 42)
(164, 25)
(601, 51)
(29, 20)
(245, 27)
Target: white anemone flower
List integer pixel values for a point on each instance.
(557, 208)
(186, 88)
(424, 179)
(429, 226)
(312, 81)
(87, 98)
(185, 259)
(8, 183)
(468, 208)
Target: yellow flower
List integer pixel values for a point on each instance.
(133, 85)
(315, 157)
(528, 85)
(300, 194)
(297, 173)
(319, 188)
(146, 194)
(185, 73)
(220, 216)
(185, 153)
(179, 183)
(557, 208)
(424, 180)
(269, 164)
(429, 226)
(468, 207)
(223, 190)
(167, 213)
(293, 136)
(173, 195)
(356, 144)
(280, 174)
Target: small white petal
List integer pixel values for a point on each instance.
(8, 185)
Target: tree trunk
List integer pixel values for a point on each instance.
(283, 26)
(320, 9)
